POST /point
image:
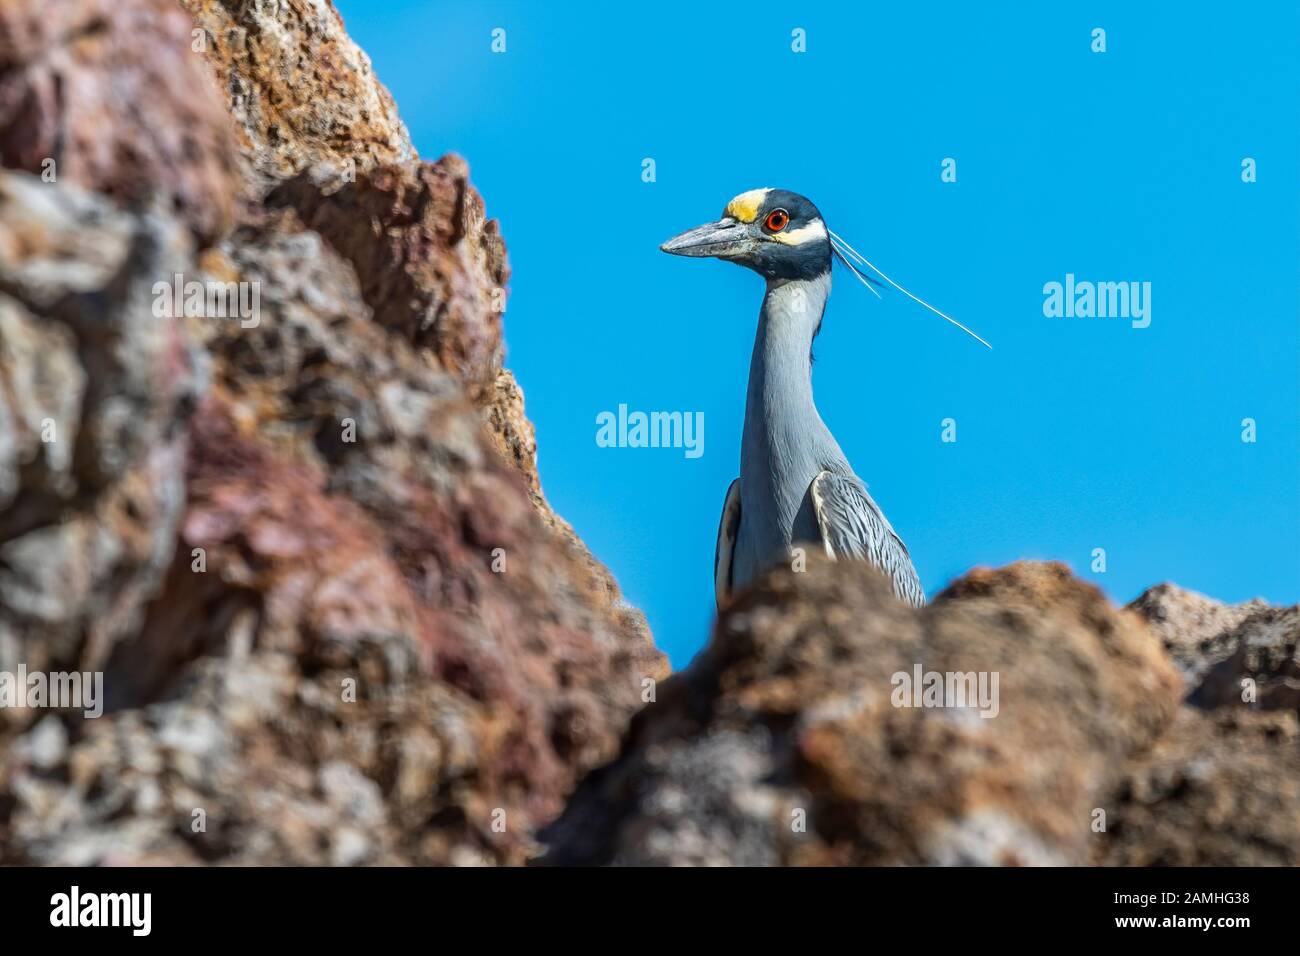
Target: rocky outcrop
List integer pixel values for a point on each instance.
(107, 96)
(315, 127)
(301, 93)
(346, 579)
(432, 266)
(1218, 789)
(94, 393)
(336, 621)
(1230, 653)
(788, 742)
(1222, 787)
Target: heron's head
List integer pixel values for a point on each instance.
(777, 233)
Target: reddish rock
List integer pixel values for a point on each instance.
(301, 93)
(336, 619)
(432, 266)
(107, 95)
(348, 524)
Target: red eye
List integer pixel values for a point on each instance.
(777, 220)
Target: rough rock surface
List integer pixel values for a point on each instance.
(336, 624)
(782, 745)
(316, 126)
(301, 92)
(1230, 653)
(1222, 787)
(433, 267)
(312, 117)
(1219, 789)
(106, 95)
(94, 390)
(348, 524)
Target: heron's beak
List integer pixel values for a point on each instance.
(725, 239)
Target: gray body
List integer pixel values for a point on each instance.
(796, 487)
(785, 443)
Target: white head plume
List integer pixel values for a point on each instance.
(846, 252)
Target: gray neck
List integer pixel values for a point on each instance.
(783, 431)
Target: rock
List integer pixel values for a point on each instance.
(432, 266)
(327, 142)
(301, 93)
(334, 612)
(46, 746)
(513, 434)
(783, 744)
(336, 623)
(106, 95)
(1222, 786)
(1196, 630)
(1219, 789)
(1232, 655)
(1264, 668)
(94, 394)
(433, 270)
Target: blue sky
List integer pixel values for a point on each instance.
(1072, 434)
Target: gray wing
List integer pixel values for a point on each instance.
(852, 526)
(727, 529)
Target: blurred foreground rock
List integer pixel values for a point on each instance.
(1218, 789)
(1222, 786)
(107, 95)
(784, 743)
(94, 393)
(336, 623)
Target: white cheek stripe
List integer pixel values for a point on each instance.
(797, 237)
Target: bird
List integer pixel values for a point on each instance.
(796, 487)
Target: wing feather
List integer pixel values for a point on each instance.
(727, 529)
(853, 526)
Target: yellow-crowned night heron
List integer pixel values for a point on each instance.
(795, 485)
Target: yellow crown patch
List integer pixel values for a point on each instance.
(745, 207)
